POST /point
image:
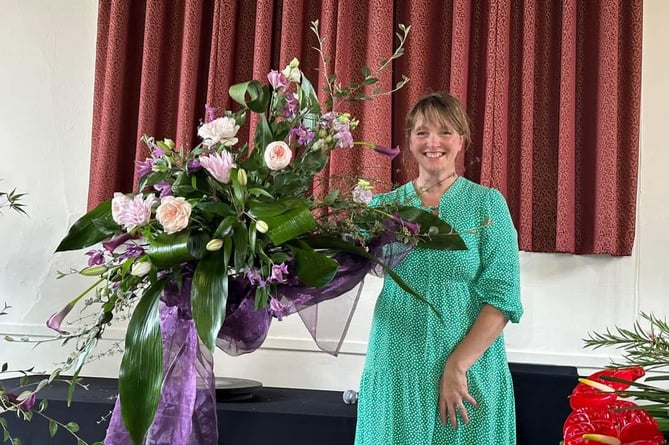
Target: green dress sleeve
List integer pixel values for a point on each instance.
(498, 280)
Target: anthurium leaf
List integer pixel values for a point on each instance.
(312, 268)
(257, 93)
(287, 219)
(141, 373)
(209, 296)
(93, 227)
(168, 250)
(335, 243)
(439, 234)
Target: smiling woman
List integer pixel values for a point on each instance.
(444, 383)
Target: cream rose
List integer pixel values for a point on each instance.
(173, 213)
(277, 155)
(223, 130)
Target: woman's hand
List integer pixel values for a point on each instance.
(453, 393)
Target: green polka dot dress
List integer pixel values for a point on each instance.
(408, 345)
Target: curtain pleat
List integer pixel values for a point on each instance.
(552, 89)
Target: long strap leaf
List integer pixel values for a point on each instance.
(209, 296)
(91, 228)
(141, 374)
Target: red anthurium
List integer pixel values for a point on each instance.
(588, 394)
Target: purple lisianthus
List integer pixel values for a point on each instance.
(362, 195)
(193, 165)
(25, 404)
(157, 151)
(209, 113)
(95, 257)
(277, 80)
(144, 167)
(303, 134)
(278, 272)
(164, 187)
(132, 251)
(277, 309)
(292, 105)
(254, 277)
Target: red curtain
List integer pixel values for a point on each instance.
(552, 87)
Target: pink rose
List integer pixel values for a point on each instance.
(218, 165)
(173, 213)
(131, 213)
(277, 155)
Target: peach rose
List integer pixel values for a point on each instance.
(277, 155)
(173, 213)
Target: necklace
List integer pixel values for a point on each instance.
(424, 188)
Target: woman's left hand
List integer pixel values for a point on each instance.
(453, 392)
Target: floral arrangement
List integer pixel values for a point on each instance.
(602, 411)
(220, 239)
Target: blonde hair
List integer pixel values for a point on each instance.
(441, 109)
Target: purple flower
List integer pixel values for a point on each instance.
(157, 151)
(144, 167)
(209, 113)
(390, 152)
(164, 187)
(132, 251)
(56, 319)
(254, 277)
(193, 165)
(25, 404)
(292, 105)
(113, 244)
(303, 134)
(95, 257)
(277, 80)
(278, 271)
(277, 309)
(362, 195)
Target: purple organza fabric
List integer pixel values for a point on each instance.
(187, 409)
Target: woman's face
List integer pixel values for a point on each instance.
(435, 147)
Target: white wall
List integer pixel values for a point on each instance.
(47, 57)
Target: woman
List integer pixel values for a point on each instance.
(427, 381)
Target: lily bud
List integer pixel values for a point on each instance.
(170, 143)
(261, 226)
(140, 269)
(93, 271)
(242, 177)
(214, 245)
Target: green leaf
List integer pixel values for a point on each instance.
(216, 208)
(260, 192)
(286, 218)
(307, 97)
(241, 239)
(43, 404)
(312, 268)
(209, 296)
(169, 250)
(4, 367)
(257, 93)
(366, 71)
(262, 137)
(53, 428)
(334, 243)
(141, 372)
(91, 228)
(72, 426)
(438, 234)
